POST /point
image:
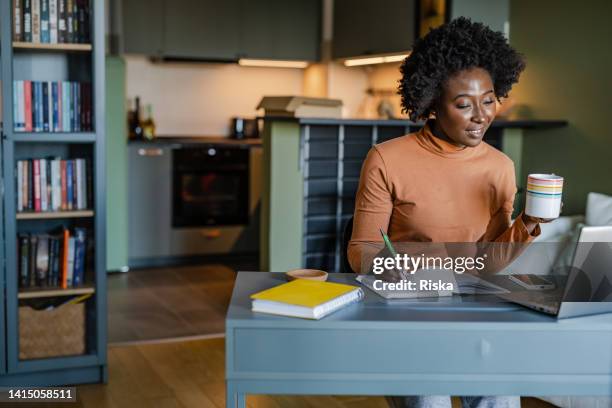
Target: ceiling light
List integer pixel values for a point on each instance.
(272, 63)
(374, 60)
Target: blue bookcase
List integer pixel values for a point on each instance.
(83, 62)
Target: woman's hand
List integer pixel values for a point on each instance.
(531, 222)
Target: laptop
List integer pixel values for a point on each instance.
(588, 287)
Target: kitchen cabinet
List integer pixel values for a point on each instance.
(365, 27)
(149, 200)
(223, 31)
(281, 29)
(142, 20)
(201, 29)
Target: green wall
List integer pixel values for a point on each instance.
(116, 166)
(568, 76)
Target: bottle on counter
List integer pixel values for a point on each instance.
(134, 123)
(148, 125)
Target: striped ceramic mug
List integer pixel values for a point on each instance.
(544, 195)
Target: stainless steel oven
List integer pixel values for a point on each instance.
(210, 186)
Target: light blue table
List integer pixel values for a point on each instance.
(445, 347)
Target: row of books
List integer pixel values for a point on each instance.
(51, 21)
(52, 260)
(53, 184)
(52, 106)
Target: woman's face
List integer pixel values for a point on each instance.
(466, 107)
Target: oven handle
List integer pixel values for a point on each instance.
(150, 152)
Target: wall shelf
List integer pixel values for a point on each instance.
(52, 292)
(59, 137)
(47, 215)
(19, 45)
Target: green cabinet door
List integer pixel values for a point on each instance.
(280, 29)
(202, 29)
(495, 14)
(364, 27)
(141, 22)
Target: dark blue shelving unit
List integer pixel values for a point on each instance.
(90, 367)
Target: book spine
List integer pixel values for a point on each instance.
(53, 21)
(79, 256)
(64, 268)
(89, 183)
(15, 105)
(49, 281)
(21, 105)
(50, 105)
(45, 106)
(56, 188)
(60, 121)
(44, 21)
(42, 163)
(28, 105)
(66, 105)
(55, 100)
(24, 260)
(27, 20)
(79, 181)
(32, 261)
(70, 266)
(61, 21)
(19, 185)
(36, 163)
(63, 185)
(69, 23)
(42, 260)
(39, 103)
(56, 261)
(75, 21)
(74, 184)
(69, 185)
(35, 123)
(35, 21)
(17, 20)
(77, 105)
(29, 185)
(72, 110)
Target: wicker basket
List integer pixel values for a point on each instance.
(51, 333)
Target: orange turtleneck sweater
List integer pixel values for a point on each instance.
(419, 188)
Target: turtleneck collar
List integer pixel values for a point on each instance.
(433, 144)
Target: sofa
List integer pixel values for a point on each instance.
(558, 240)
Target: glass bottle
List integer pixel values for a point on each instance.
(134, 125)
(148, 125)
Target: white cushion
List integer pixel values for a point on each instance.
(556, 230)
(599, 209)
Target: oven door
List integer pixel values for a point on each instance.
(210, 186)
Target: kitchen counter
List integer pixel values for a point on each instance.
(497, 123)
(213, 140)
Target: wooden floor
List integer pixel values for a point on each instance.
(190, 374)
(161, 303)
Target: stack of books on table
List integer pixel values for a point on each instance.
(306, 298)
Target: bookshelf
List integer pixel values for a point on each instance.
(54, 63)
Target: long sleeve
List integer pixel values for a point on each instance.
(373, 207)
(508, 240)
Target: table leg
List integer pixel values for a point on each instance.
(234, 399)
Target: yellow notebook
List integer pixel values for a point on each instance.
(305, 298)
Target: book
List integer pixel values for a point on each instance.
(24, 260)
(42, 260)
(53, 21)
(36, 179)
(32, 261)
(305, 298)
(80, 235)
(64, 259)
(44, 205)
(17, 20)
(70, 265)
(27, 93)
(61, 21)
(27, 20)
(44, 21)
(36, 21)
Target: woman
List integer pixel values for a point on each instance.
(443, 183)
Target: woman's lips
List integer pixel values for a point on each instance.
(476, 133)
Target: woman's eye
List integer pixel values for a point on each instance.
(463, 106)
(488, 102)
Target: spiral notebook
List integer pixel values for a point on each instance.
(305, 298)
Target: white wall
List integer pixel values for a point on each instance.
(199, 99)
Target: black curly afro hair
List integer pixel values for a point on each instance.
(448, 49)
